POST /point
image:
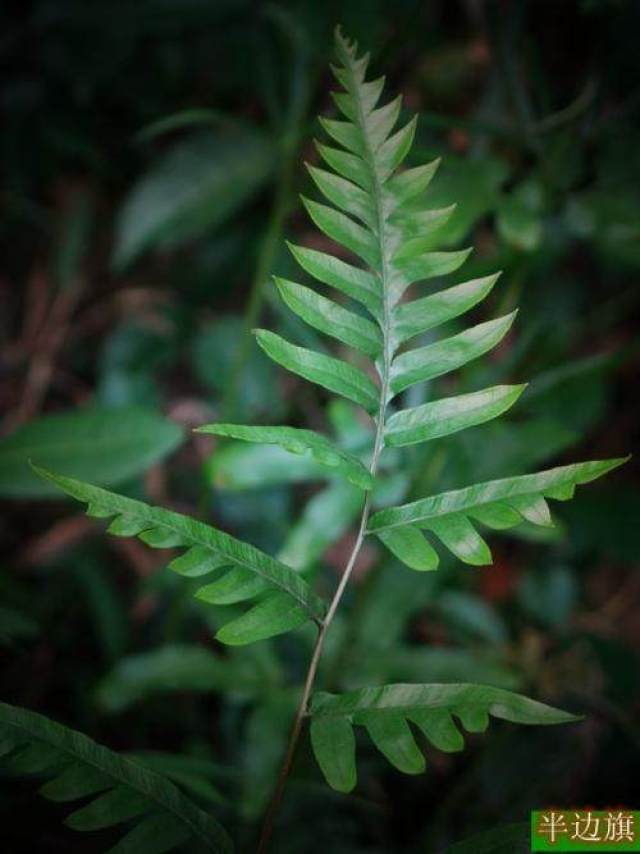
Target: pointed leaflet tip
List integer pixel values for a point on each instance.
(344, 48)
(509, 318)
(518, 390)
(42, 472)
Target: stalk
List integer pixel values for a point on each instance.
(384, 371)
(303, 707)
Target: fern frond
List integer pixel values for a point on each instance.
(286, 600)
(372, 213)
(387, 713)
(299, 441)
(497, 504)
(394, 236)
(377, 216)
(373, 210)
(120, 789)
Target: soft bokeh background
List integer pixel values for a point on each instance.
(152, 153)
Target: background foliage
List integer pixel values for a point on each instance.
(152, 161)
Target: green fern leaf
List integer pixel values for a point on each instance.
(449, 415)
(324, 519)
(352, 281)
(374, 212)
(497, 504)
(329, 317)
(332, 374)
(420, 315)
(410, 546)
(371, 219)
(299, 441)
(121, 789)
(434, 360)
(378, 217)
(248, 571)
(387, 713)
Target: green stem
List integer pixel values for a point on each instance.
(303, 707)
(385, 373)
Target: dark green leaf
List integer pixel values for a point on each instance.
(124, 789)
(195, 186)
(106, 445)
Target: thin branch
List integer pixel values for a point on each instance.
(385, 372)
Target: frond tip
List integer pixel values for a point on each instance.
(371, 213)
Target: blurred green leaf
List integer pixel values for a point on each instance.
(15, 625)
(438, 664)
(121, 790)
(106, 608)
(471, 616)
(182, 119)
(102, 445)
(507, 447)
(170, 668)
(549, 595)
(264, 741)
(176, 667)
(238, 466)
(131, 361)
(213, 354)
(197, 185)
(519, 217)
(190, 773)
(324, 519)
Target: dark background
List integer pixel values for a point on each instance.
(151, 158)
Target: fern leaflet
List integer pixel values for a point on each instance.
(121, 790)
